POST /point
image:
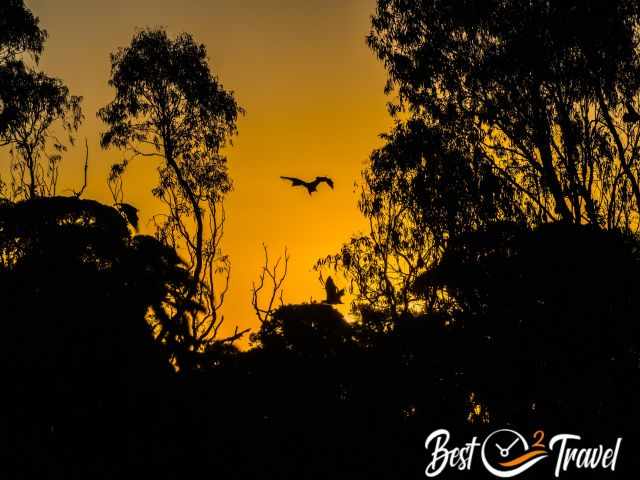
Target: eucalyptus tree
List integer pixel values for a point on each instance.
(542, 93)
(20, 31)
(168, 105)
(413, 206)
(38, 116)
(508, 110)
(44, 120)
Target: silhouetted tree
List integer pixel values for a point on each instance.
(306, 330)
(41, 109)
(35, 110)
(537, 97)
(411, 210)
(547, 322)
(83, 373)
(489, 130)
(169, 105)
(20, 31)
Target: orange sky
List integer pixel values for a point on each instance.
(314, 98)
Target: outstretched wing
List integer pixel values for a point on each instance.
(295, 181)
(334, 296)
(327, 180)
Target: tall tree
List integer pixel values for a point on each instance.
(544, 93)
(505, 111)
(416, 192)
(170, 106)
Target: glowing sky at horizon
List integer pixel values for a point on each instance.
(314, 98)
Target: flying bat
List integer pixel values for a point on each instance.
(310, 186)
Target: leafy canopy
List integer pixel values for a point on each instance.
(545, 93)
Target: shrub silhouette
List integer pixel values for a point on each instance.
(82, 368)
(548, 322)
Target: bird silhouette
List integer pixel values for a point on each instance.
(334, 296)
(310, 186)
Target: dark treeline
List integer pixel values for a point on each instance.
(498, 285)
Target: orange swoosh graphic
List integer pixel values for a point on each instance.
(523, 458)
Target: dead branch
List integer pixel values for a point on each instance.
(276, 279)
(80, 192)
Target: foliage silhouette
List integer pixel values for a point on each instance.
(169, 105)
(412, 209)
(487, 130)
(83, 368)
(533, 92)
(20, 34)
(20, 31)
(308, 329)
(497, 285)
(548, 321)
(36, 104)
(500, 267)
(31, 105)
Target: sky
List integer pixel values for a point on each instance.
(313, 94)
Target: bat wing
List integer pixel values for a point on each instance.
(327, 180)
(294, 181)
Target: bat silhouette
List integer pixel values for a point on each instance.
(310, 186)
(334, 296)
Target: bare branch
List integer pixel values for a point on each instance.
(276, 277)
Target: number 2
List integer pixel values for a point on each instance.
(538, 436)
